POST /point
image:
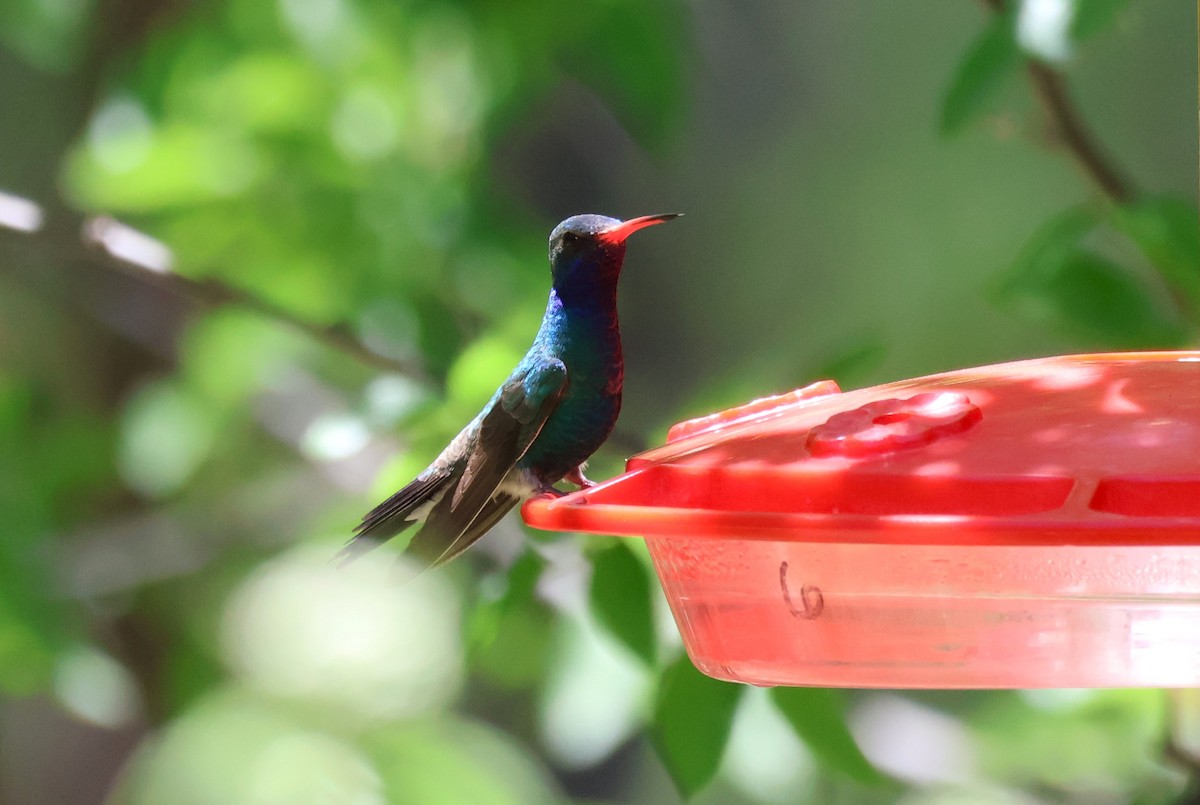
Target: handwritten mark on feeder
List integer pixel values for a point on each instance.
(810, 597)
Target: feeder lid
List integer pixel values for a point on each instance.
(1077, 450)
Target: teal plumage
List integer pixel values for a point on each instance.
(554, 410)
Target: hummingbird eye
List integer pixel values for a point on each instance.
(570, 237)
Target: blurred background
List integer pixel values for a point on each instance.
(259, 261)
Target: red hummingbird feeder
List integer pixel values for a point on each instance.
(1031, 524)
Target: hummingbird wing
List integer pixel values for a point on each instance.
(459, 496)
(508, 427)
(431, 546)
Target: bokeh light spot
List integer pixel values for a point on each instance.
(368, 639)
(331, 437)
(164, 437)
(364, 125)
(96, 688)
(120, 135)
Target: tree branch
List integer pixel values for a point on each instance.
(1072, 133)
(109, 245)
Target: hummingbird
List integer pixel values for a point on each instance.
(540, 427)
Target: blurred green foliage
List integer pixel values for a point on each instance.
(621, 600)
(1057, 277)
(867, 199)
(993, 57)
(818, 716)
(692, 718)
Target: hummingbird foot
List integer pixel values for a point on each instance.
(575, 476)
(548, 491)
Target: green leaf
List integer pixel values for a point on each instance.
(1019, 287)
(1038, 261)
(692, 718)
(1056, 278)
(523, 577)
(982, 73)
(1094, 16)
(1102, 301)
(1167, 230)
(511, 635)
(1054, 240)
(1106, 300)
(621, 599)
(818, 716)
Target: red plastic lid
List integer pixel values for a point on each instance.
(1088, 449)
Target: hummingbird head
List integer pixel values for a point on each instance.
(586, 251)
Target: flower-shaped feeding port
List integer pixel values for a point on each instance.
(1033, 524)
(886, 425)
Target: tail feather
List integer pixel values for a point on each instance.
(389, 514)
(397, 513)
(439, 540)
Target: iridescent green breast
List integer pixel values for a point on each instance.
(589, 344)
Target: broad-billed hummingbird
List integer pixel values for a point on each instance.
(556, 408)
